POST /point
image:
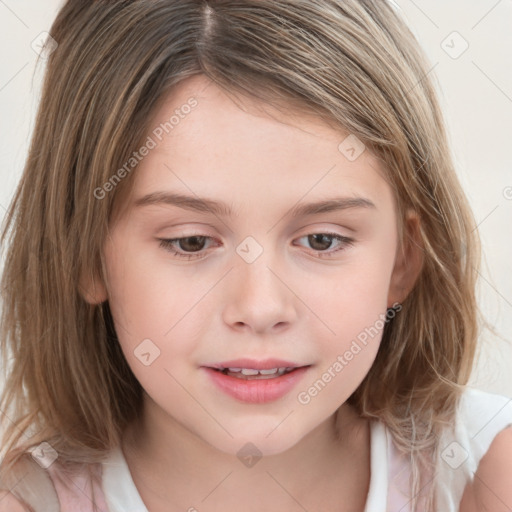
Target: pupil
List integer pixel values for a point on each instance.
(313, 239)
(196, 245)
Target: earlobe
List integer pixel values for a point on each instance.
(92, 289)
(408, 261)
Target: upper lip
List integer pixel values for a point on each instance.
(264, 364)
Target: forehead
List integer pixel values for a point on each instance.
(209, 143)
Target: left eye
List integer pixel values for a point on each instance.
(191, 247)
(323, 241)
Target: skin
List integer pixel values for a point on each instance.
(490, 488)
(289, 303)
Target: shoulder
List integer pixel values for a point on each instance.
(491, 488)
(470, 466)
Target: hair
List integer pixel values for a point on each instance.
(354, 64)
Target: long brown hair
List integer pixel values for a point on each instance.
(353, 63)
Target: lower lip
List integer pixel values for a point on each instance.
(256, 391)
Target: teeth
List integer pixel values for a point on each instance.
(252, 371)
(249, 371)
(269, 372)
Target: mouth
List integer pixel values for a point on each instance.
(256, 383)
(250, 369)
(254, 374)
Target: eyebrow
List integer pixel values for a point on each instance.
(206, 205)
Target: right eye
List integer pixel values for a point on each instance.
(189, 247)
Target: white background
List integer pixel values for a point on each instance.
(476, 94)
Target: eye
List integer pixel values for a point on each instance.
(187, 246)
(321, 242)
(193, 247)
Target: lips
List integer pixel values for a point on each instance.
(252, 381)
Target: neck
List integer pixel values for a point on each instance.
(163, 454)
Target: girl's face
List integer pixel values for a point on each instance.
(288, 251)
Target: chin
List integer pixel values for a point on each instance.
(263, 441)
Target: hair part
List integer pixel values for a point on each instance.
(354, 64)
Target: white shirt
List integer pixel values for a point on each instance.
(481, 416)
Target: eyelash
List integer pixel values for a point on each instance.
(168, 245)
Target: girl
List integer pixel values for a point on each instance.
(241, 271)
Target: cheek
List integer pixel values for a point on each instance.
(150, 304)
(147, 294)
(348, 347)
(353, 309)
(356, 295)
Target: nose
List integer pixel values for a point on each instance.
(259, 298)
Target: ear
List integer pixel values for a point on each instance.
(92, 289)
(408, 261)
